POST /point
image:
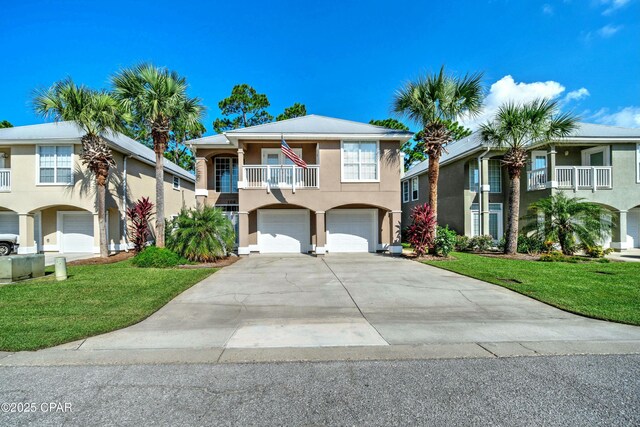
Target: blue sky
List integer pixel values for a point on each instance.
(343, 59)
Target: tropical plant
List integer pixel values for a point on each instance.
(445, 241)
(516, 127)
(96, 113)
(420, 233)
(480, 243)
(139, 229)
(157, 98)
(204, 234)
(155, 257)
(296, 110)
(462, 243)
(434, 102)
(567, 221)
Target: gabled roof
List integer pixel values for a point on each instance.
(586, 132)
(310, 126)
(70, 131)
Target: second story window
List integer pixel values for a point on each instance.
(405, 191)
(495, 176)
(414, 188)
(360, 161)
(176, 183)
(226, 174)
(55, 164)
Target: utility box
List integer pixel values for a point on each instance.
(20, 267)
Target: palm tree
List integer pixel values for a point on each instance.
(566, 220)
(96, 113)
(157, 99)
(515, 128)
(435, 102)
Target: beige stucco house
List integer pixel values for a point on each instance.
(598, 163)
(346, 200)
(47, 197)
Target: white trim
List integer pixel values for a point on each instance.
(215, 180)
(282, 159)
(24, 250)
(638, 163)
(498, 212)
(118, 246)
(55, 169)
(174, 183)
(243, 251)
(619, 245)
(202, 192)
(382, 247)
(342, 178)
(408, 192)
(586, 155)
(316, 136)
(321, 250)
(50, 248)
(395, 249)
(254, 248)
(415, 190)
(486, 188)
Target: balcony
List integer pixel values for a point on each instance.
(5, 180)
(281, 176)
(572, 178)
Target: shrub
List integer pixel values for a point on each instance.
(139, 230)
(553, 256)
(445, 241)
(462, 243)
(202, 235)
(420, 232)
(480, 243)
(154, 257)
(529, 244)
(596, 251)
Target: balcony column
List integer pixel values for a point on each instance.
(485, 188)
(241, 183)
(395, 229)
(201, 181)
(552, 181)
(321, 234)
(619, 232)
(26, 234)
(243, 233)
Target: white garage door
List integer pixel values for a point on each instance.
(283, 230)
(352, 230)
(633, 227)
(77, 232)
(8, 223)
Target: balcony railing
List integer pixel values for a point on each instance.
(281, 176)
(5, 180)
(573, 178)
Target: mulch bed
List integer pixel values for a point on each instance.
(218, 264)
(522, 257)
(412, 256)
(120, 256)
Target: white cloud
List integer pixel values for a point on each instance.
(626, 117)
(506, 89)
(547, 9)
(576, 95)
(609, 30)
(613, 5)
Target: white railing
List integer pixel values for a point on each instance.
(584, 177)
(537, 179)
(5, 180)
(281, 176)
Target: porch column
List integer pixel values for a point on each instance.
(395, 229)
(552, 181)
(26, 231)
(619, 232)
(201, 181)
(241, 168)
(321, 234)
(243, 233)
(485, 188)
(96, 233)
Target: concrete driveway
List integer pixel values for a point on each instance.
(353, 300)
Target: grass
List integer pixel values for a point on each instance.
(603, 291)
(95, 299)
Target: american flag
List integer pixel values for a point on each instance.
(291, 155)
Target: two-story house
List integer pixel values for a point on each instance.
(47, 196)
(598, 163)
(346, 200)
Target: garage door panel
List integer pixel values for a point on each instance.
(283, 231)
(352, 230)
(9, 223)
(77, 232)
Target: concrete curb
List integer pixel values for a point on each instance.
(70, 357)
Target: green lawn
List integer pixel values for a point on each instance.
(95, 299)
(604, 291)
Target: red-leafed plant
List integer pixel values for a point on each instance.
(420, 233)
(139, 230)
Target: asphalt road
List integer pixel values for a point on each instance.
(558, 390)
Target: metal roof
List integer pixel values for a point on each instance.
(69, 130)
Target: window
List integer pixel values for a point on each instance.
(176, 183)
(226, 174)
(538, 160)
(638, 162)
(405, 191)
(495, 220)
(54, 164)
(360, 161)
(596, 156)
(275, 156)
(414, 188)
(495, 176)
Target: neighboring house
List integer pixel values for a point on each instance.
(346, 200)
(48, 198)
(598, 163)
